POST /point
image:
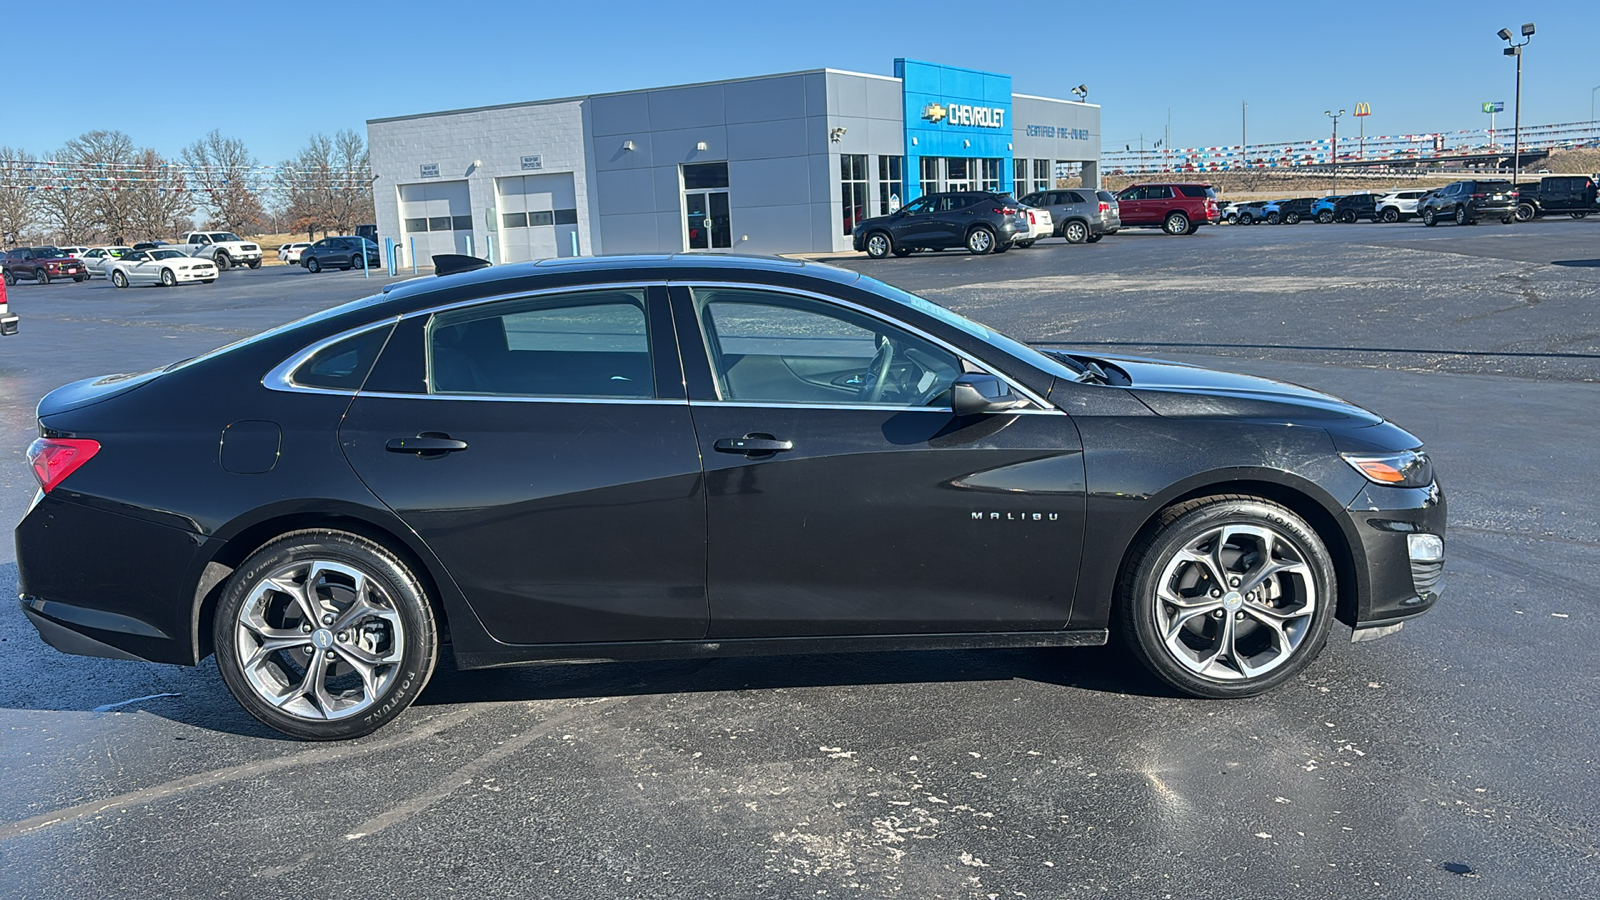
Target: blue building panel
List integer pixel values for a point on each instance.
(954, 112)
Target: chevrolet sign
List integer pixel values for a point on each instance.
(964, 114)
(934, 113)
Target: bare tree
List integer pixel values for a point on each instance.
(18, 211)
(222, 170)
(104, 165)
(328, 184)
(64, 198)
(162, 205)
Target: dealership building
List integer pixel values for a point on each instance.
(772, 164)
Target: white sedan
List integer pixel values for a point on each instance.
(98, 260)
(164, 267)
(290, 253)
(1039, 225)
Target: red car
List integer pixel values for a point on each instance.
(1174, 208)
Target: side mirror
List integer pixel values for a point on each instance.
(977, 393)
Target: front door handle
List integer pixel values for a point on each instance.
(428, 443)
(752, 444)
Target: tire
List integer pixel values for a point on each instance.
(1391, 215)
(1247, 219)
(1430, 218)
(1325, 217)
(393, 632)
(1292, 219)
(1273, 218)
(8, 278)
(1217, 642)
(119, 280)
(1231, 219)
(1094, 238)
(1507, 220)
(980, 240)
(1176, 223)
(1462, 217)
(1578, 215)
(1075, 232)
(313, 266)
(1193, 227)
(1001, 248)
(167, 278)
(1526, 212)
(207, 280)
(255, 263)
(879, 245)
(41, 276)
(79, 278)
(355, 262)
(903, 251)
(222, 261)
(1023, 245)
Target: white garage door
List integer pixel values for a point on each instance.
(436, 217)
(538, 217)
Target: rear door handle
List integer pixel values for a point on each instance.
(753, 443)
(427, 443)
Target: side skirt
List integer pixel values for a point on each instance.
(524, 654)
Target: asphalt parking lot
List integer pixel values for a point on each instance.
(1457, 758)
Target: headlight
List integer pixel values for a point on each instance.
(1408, 468)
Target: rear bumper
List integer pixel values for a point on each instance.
(8, 325)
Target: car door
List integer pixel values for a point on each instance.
(1135, 206)
(842, 494)
(542, 447)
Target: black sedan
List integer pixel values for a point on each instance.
(340, 253)
(637, 458)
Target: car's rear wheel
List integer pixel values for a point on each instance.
(1176, 223)
(1272, 218)
(325, 635)
(1462, 217)
(119, 280)
(904, 251)
(1095, 238)
(1391, 215)
(879, 245)
(8, 278)
(1247, 219)
(1578, 215)
(223, 262)
(1023, 245)
(167, 278)
(1526, 212)
(1228, 596)
(1075, 232)
(1292, 219)
(1324, 217)
(255, 263)
(980, 240)
(312, 265)
(1507, 220)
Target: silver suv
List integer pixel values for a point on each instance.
(1080, 215)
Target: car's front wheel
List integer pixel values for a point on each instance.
(325, 635)
(119, 280)
(1430, 218)
(879, 245)
(41, 276)
(255, 263)
(1292, 218)
(223, 261)
(313, 266)
(1176, 223)
(1324, 217)
(1272, 218)
(1391, 215)
(1229, 596)
(980, 240)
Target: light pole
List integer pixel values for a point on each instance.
(1334, 155)
(1516, 129)
(1082, 91)
(1591, 104)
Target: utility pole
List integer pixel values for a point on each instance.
(1244, 130)
(1515, 49)
(1334, 155)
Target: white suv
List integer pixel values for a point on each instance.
(1398, 206)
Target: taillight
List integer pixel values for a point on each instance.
(1030, 218)
(1479, 196)
(1105, 207)
(1005, 210)
(53, 459)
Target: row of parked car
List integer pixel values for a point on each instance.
(1462, 202)
(200, 258)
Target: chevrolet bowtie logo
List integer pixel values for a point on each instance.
(933, 112)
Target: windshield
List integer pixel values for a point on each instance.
(166, 254)
(1027, 354)
(221, 236)
(49, 253)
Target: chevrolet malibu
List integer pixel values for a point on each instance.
(682, 456)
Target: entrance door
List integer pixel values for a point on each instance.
(845, 497)
(959, 174)
(707, 218)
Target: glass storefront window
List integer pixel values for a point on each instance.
(891, 184)
(989, 174)
(853, 188)
(932, 177)
(1019, 177)
(705, 175)
(1042, 178)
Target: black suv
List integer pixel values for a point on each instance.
(1290, 212)
(1465, 202)
(1570, 194)
(978, 220)
(1356, 207)
(42, 264)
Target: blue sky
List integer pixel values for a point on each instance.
(1423, 66)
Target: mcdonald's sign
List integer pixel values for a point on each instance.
(1363, 109)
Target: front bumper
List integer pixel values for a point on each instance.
(184, 275)
(1401, 566)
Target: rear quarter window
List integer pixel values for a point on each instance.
(1197, 191)
(342, 365)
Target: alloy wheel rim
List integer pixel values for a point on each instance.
(876, 245)
(1235, 603)
(1075, 232)
(319, 640)
(980, 240)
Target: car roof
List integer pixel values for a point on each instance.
(622, 265)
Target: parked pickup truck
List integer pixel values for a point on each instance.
(224, 248)
(8, 319)
(1570, 194)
